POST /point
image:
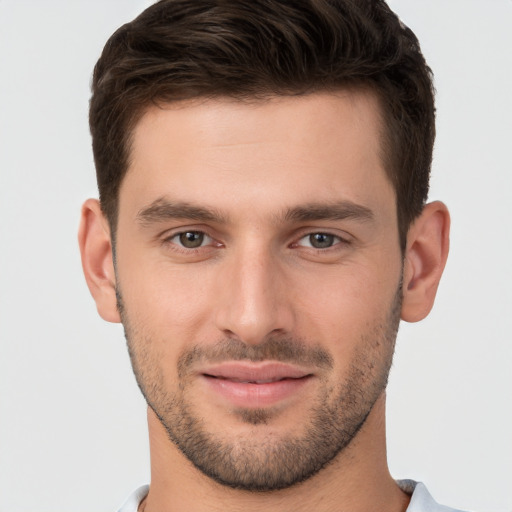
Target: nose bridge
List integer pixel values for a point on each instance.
(253, 302)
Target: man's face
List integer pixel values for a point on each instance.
(258, 276)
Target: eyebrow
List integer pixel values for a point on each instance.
(162, 210)
(340, 210)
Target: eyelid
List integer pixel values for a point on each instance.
(336, 241)
(206, 241)
(168, 237)
(340, 238)
(170, 232)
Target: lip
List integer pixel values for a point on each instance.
(255, 385)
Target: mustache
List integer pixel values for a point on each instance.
(286, 350)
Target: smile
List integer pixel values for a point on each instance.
(255, 385)
(268, 381)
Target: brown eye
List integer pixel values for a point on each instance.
(321, 240)
(191, 239)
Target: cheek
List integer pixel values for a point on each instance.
(161, 320)
(345, 297)
(165, 306)
(349, 311)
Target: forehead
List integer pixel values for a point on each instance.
(321, 147)
(222, 121)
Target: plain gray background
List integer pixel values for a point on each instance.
(72, 423)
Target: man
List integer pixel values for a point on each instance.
(263, 171)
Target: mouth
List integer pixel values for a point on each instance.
(255, 385)
(251, 381)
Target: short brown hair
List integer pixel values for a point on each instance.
(255, 49)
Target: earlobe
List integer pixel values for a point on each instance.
(97, 259)
(425, 258)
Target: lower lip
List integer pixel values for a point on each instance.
(248, 394)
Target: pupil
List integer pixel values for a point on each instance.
(191, 239)
(321, 240)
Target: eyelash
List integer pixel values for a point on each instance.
(173, 240)
(337, 240)
(190, 250)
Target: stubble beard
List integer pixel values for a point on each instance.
(278, 462)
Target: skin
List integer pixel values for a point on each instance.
(256, 277)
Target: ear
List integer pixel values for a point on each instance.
(425, 257)
(97, 260)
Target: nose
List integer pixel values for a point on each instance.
(254, 298)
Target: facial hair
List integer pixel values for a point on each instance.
(247, 462)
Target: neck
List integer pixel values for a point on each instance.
(358, 479)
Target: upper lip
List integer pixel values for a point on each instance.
(263, 372)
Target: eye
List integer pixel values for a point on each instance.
(319, 240)
(191, 239)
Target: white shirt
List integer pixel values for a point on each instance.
(421, 500)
